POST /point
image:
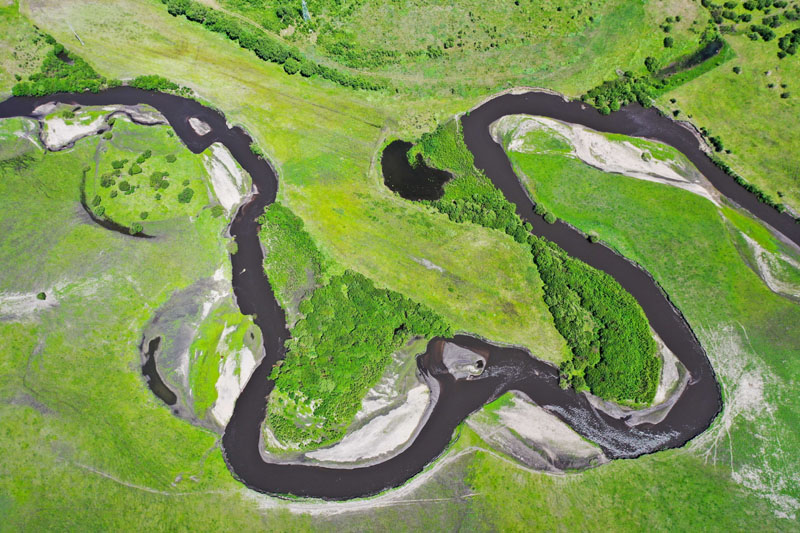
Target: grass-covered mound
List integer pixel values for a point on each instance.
(343, 340)
(613, 351)
(138, 179)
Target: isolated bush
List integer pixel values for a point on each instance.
(550, 218)
(185, 196)
(170, 158)
(135, 228)
(41, 296)
(134, 169)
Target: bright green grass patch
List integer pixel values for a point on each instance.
(672, 491)
(342, 341)
(23, 45)
(612, 350)
(292, 261)
(142, 177)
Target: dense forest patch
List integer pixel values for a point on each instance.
(342, 342)
(293, 263)
(613, 352)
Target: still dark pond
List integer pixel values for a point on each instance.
(412, 182)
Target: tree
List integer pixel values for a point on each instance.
(668, 42)
(292, 66)
(135, 228)
(185, 196)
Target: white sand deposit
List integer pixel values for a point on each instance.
(534, 424)
(234, 374)
(199, 127)
(382, 434)
(226, 176)
(767, 264)
(17, 305)
(430, 265)
(57, 133)
(597, 150)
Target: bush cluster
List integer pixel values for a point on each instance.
(614, 354)
(62, 71)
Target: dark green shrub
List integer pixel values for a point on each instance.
(124, 186)
(119, 164)
(217, 211)
(170, 158)
(96, 201)
(134, 169)
(550, 218)
(185, 196)
(668, 42)
(143, 215)
(41, 296)
(292, 66)
(135, 228)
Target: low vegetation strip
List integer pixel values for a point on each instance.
(613, 352)
(342, 342)
(251, 37)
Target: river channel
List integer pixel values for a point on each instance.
(506, 368)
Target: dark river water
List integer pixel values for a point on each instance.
(506, 368)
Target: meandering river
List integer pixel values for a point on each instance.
(506, 368)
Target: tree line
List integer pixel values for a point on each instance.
(266, 48)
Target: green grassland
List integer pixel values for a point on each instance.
(751, 118)
(694, 250)
(611, 350)
(86, 445)
(23, 47)
(431, 46)
(223, 333)
(90, 408)
(342, 342)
